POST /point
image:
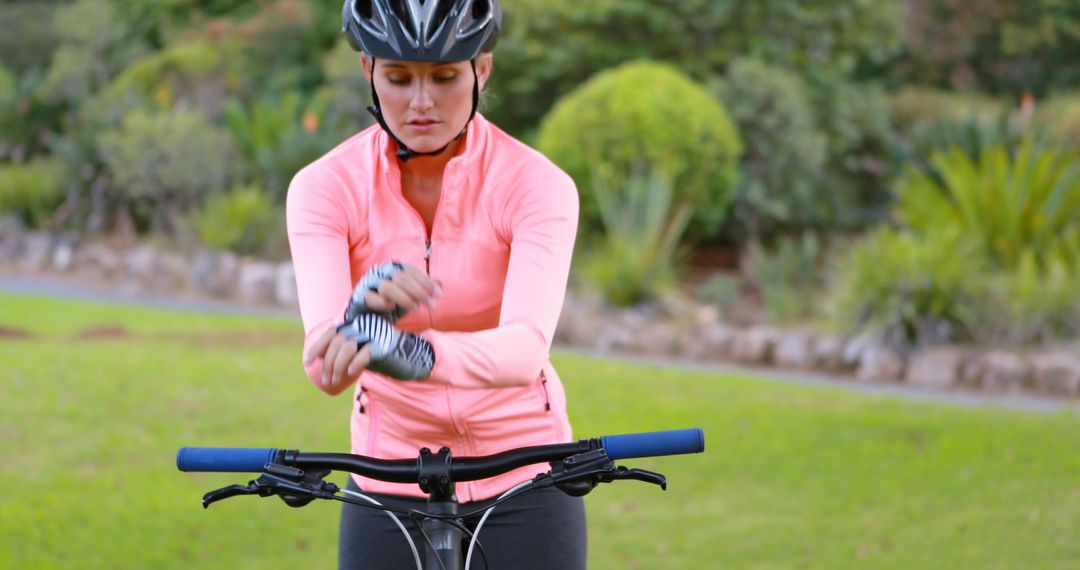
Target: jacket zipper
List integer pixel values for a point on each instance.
(427, 256)
(543, 386)
(359, 399)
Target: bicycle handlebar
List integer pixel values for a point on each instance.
(624, 446)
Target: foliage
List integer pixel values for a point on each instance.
(1031, 304)
(780, 182)
(645, 114)
(855, 120)
(28, 39)
(33, 190)
(721, 289)
(165, 163)
(1006, 46)
(636, 257)
(910, 289)
(279, 137)
(551, 46)
(913, 107)
(1060, 117)
(1027, 203)
(788, 278)
(242, 220)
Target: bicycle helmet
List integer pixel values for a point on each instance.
(422, 30)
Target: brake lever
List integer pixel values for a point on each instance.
(579, 474)
(295, 487)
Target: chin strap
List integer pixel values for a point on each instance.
(404, 153)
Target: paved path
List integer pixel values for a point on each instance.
(24, 285)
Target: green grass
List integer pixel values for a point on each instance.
(794, 477)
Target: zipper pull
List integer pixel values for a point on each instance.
(547, 398)
(427, 256)
(358, 397)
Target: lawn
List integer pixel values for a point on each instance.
(95, 400)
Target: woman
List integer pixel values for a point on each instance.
(458, 241)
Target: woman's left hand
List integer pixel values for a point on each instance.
(343, 361)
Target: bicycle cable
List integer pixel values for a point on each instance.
(397, 521)
(476, 534)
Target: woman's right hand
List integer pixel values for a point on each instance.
(393, 289)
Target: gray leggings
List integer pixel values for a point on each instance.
(538, 530)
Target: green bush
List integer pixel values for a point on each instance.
(913, 106)
(33, 190)
(910, 289)
(780, 183)
(242, 220)
(1009, 204)
(1060, 116)
(28, 39)
(1031, 304)
(855, 120)
(788, 278)
(163, 164)
(971, 134)
(645, 115)
(636, 258)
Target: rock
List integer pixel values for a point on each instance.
(139, 262)
(614, 339)
(11, 237)
(285, 286)
(36, 251)
(856, 346)
(828, 354)
(658, 339)
(63, 257)
(1057, 373)
(1004, 372)
(98, 260)
(755, 345)
(711, 343)
(258, 282)
(795, 350)
(171, 273)
(935, 368)
(880, 363)
(215, 274)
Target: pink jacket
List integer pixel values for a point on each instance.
(500, 245)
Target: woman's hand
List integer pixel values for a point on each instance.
(392, 289)
(342, 360)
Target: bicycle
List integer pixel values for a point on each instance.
(576, 469)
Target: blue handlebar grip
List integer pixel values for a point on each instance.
(231, 459)
(654, 443)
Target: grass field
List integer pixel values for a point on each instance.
(794, 477)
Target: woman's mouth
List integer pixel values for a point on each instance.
(422, 125)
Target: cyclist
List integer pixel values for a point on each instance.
(446, 244)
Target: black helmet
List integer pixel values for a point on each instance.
(422, 30)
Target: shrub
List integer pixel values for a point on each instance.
(1011, 205)
(163, 164)
(32, 190)
(909, 289)
(242, 220)
(780, 182)
(645, 115)
(1031, 304)
(1060, 116)
(788, 277)
(635, 259)
(912, 106)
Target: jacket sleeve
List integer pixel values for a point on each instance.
(541, 220)
(318, 228)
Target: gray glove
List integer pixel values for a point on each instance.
(370, 282)
(397, 354)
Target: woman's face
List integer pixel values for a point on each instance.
(426, 104)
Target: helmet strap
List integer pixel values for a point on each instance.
(404, 153)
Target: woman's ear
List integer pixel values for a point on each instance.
(368, 65)
(484, 65)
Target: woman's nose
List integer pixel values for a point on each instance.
(421, 100)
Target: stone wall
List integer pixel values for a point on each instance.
(683, 331)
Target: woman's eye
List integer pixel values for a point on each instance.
(398, 80)
(444, 78)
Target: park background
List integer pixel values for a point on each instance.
(901, 176)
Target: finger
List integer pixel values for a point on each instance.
(399, 297)
(374, 301)
(318, 348)
(360, 361)
(415, 275)
(330, 357)
(344, 355)
(420, 289)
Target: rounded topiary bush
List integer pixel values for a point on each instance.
(645, 116)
